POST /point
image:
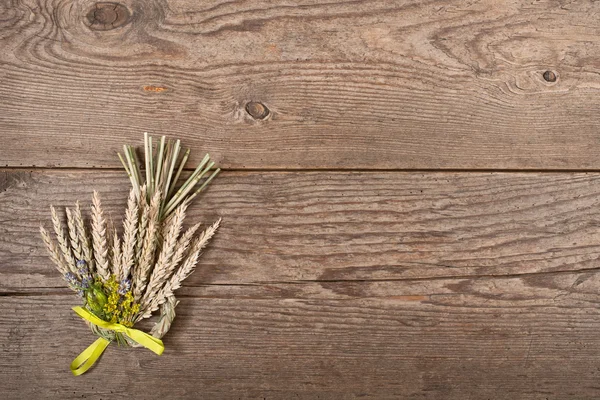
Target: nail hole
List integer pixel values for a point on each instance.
(549, 76)
(107, 15)
(257, 110)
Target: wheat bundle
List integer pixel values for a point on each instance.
(124, 279)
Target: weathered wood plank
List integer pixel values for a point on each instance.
(326, 349)
(349, 84)
(332, 285)
(284, 231)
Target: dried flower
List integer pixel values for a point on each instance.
(124, 286)
(72, 280)
(138, 272)
(84, 273)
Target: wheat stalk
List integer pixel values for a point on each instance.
(178, 173)
(143, 223)
(205, 236)
(182, 273)
(167, 315)
(161, 269)
(153, 248)
(117, 260)
(183, 245)
(162, 326)
(63, 242)
(188, 185)
(74, 238)
(172, 284)
(149, 246)
(129, 236)
(84, 239)
(99, 238)
(54, 252)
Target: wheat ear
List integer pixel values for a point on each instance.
(84, 238)
(99, 238)
(205, 236)
(129, 236)
(161, 269)
(172, 284)
(63, 242)
(183, 245)
(149, 246)
(74, 238)
(182, 273)
(54, 252)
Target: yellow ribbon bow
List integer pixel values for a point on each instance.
(89, 356)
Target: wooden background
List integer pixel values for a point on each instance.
(410, 195)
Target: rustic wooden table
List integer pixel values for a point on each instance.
(410, 195)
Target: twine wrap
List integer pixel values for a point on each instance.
(159, 330)
(108, 332)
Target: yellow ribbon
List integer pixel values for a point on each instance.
(89, 356)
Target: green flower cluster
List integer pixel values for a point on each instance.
(112, 301)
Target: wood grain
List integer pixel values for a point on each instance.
(340, 280)
(346, 84)
(307, 349)
(283, 231)
(332, 285)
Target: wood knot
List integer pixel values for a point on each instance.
(549, 76)
(157, 89)
(106, 16)
(257, 110)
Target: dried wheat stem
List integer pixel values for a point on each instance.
(99, 239)
(128, 167)
(143, 223)
(117, 257)
(167, 315)
(206, 182)
(129, 236)
(188, 185)
(159, 177)
(178, 174)
(174, 155)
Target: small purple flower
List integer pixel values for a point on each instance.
(84, 272)
(83, 267)
(86, 281)
(80, 293)
(124, 287)
(71, 278)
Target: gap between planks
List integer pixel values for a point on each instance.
(54, 291)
